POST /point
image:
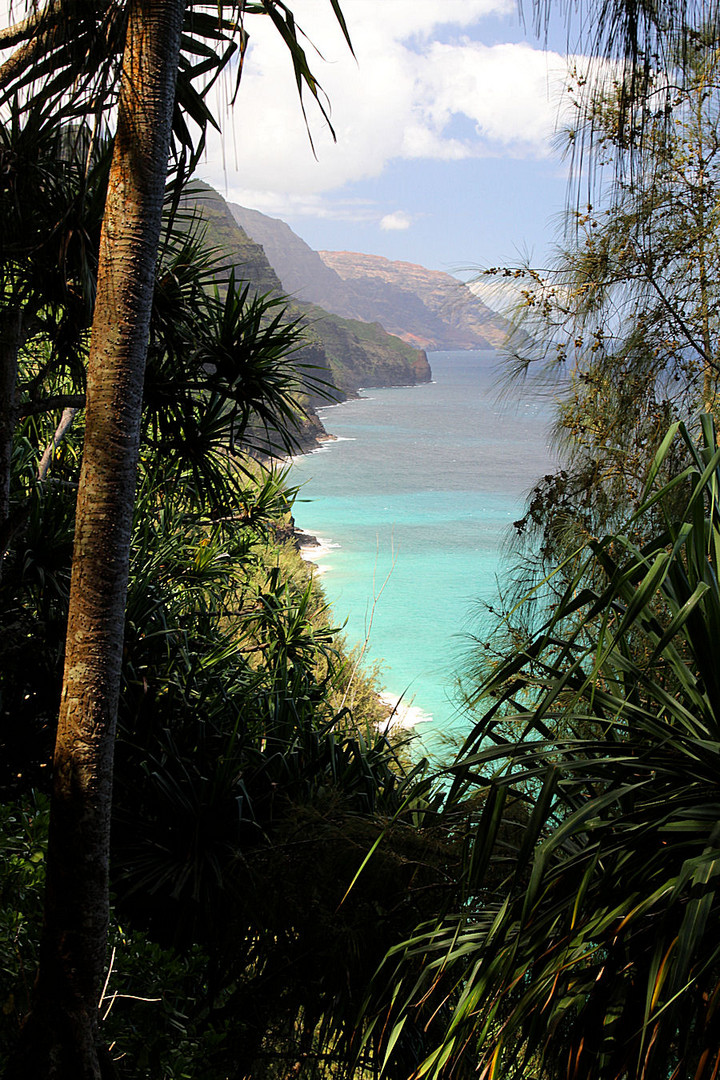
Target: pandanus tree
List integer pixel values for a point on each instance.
(61, 1033)
(136, 47)
(51, 198)
(595, 954)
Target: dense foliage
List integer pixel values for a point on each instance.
(238, 761)
(621, 328)
(290, 895)
(585, 945)
(598, 955)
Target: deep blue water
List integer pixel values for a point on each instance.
(422, 485)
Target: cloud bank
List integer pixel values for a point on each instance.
(423, 87)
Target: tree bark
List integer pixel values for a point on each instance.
(60, 1038)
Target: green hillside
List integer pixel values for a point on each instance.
(345, 354)
(363, 354)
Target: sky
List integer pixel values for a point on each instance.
(447, 130)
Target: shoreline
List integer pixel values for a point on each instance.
(402, 717)
(310, 547)
(400, 714)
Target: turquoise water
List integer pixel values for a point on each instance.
(420, 489)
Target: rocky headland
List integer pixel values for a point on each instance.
(344, 353)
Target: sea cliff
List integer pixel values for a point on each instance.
(344, 354)
(428, 309)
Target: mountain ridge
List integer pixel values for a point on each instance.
(428, 309)
(454, 317)
(343, 352)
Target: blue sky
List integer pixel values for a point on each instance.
(446, 150)
(447, 131)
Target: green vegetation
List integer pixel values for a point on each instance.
(238, 757)
(585, 943)
(363, 354)
(600, 948)
(623, 324)
(290, 893)
(350, 353)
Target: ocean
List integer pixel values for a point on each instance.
(412, 503)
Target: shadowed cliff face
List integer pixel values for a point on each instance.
(342, 352)
(303, 273)
(426, 308)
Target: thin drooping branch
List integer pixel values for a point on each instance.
(57, 401)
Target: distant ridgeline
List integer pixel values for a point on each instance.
(369, 320)
(426, 308)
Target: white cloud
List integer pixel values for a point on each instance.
(395, 221)
(421, 88)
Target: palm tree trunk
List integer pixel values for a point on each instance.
(60, 1038)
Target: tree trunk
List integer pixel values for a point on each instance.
(10, 335)
(60, 1037)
